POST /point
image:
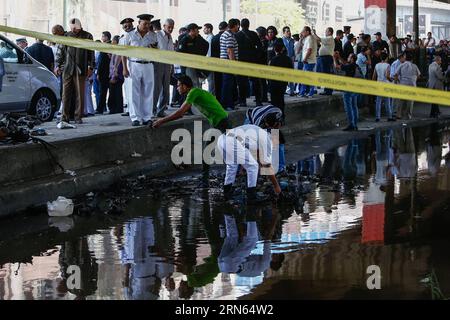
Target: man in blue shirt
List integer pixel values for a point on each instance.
(289, 44)
(42, 53)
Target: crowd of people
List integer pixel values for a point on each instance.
(143, 87)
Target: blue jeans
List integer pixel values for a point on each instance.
(387, 103)
(299, 67)
(351, 108)
(228, 86)
(96, 89)
(325, 65)
(308, 89)
(431, 52)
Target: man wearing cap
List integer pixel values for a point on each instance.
(163, 71)
(22, 43)
(193, 43)
(127, 26)
(380, 44)
(141, 72)
(76, 64)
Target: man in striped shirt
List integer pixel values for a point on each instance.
(268, 118)
(229, 50)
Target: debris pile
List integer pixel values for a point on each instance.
(15, 129)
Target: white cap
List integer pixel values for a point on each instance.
(75, 23)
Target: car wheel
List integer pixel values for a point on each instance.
(43, 106)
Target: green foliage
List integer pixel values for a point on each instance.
(284, 12)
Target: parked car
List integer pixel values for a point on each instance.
(27, 86)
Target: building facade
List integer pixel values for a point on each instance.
(100, 15)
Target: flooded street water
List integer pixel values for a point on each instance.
(382, 201)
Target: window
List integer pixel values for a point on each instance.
(325, 12)
(8, 53)
(338, 14)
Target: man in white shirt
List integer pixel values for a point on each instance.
(407, 75)
(381, 74)
(208, 31)
(248, 146)
(127, 26)
(141, 72)
(394, 68)
(309, 59)
(430, 44)
(325, 60)
(162, 75)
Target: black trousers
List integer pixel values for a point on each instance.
(244, 89)
(277, 90)
(104, 87)
(115, 100)
(434, 111)
(218, 85)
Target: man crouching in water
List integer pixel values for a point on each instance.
(251, 147)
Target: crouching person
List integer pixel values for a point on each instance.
(268, 118)
(251, 147)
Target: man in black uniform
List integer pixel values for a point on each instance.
(193, 43)
(250, 48)
(380, 44)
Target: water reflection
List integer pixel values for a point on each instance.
(382, 200)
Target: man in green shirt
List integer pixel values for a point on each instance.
(205, 102)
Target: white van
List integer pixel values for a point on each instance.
(27, 86)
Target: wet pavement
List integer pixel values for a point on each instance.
(378, 201)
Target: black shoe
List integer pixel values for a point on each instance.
(126, 114)
(147, 123)
(228, 192)
(98, 112)
(391, 120)
(161, 115)
(377, 120)
(136, 123)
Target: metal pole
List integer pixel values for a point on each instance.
(416, 21)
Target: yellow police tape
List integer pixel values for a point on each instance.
(252, 70)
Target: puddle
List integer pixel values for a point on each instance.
(382, 201)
